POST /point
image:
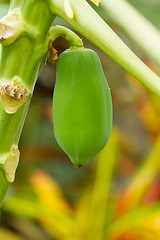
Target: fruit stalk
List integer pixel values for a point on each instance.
(59, 31)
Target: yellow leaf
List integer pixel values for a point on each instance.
(5, 234)
(49, 192)
(56, 215)
(141, 181)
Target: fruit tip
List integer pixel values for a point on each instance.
(78, 166)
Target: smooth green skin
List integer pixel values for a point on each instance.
(82, 105)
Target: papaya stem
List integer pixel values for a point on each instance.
(87, 22)
(146, 35)
(23, 53)
(4, 184)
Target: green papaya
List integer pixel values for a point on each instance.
(82, 105)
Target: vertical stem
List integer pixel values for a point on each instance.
(11, 127)
(4, 184)
(21, 61)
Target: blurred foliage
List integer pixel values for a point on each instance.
(150, 9)
(102, 210)
(116, 196)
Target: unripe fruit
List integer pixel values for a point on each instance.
(82, 105)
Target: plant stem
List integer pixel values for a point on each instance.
(20, 64)
(135, 25)
(90, 24)
(4, 184)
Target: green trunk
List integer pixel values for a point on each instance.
(21, 60)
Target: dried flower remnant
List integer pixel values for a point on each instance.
(11, 26)
(96, 2)
(10, 161)
(13, 96)
(6, 32)
(54, 55)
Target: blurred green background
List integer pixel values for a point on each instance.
(116, 196)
